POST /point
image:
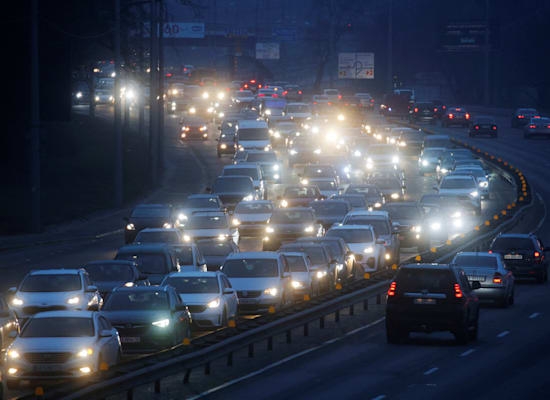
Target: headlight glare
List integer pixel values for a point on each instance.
(163, 323)
(271, 291)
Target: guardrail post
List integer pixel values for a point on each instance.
(365, 304)
(157, 386)
(186, 376)
(270, 343)
(207, 368)
(322, 322)
(306, 329)
(351, 310)
(337, 316)
(130, 394)
(378, 298)
(289, 336)
(251, 350)
(230, 359)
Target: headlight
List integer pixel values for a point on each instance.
(284, 203)
(85, 370)
(297, 285)
(129, 94)
(267, 112)
(85, 353)
(167, 225)
(163, 323)
(435, 226)
(474, 193)
(308, 229)
(236, 222)
(304, 181)
(222, 237)
(377, 205)
(210, 110)
(368, 250)
(205, 95)
(276, 167)
(214, 303)
(425, 163)
(339, 267)
(457, 223)
(395, 159)
(317, 151)
(249, 197)
(12, 371)
(276, 176)
(417, 228)
(456, 214)
(267, 148)
(392, 141)
(277, 135)
(357, 153)
(269, 229)
(315, 130)
(78, 95)
(271, 291)
(483, 184)
(444, 170)
(17, 302)
(395, 196)
(174, 91)
(341, 117)
(203, 128)
(129, 284)
(223, 146)
(293, 152)
(96, 98)
(221, 96)
(186, 238)
(13, 354)
(321, 274)
(403, 144)
(192, 110)
(73, 300)
(387, 256)
(221, 115)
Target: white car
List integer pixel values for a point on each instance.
(210, 225)
(460, 185)
(209, 297)
(382, 156)
(297, 111)
(250, 169)
(253, 134)
(332, 94)
(61, 344)
(54, 289)
(159, 235)
(301, 274)
(361, 239)
(253, 216)
(270, 165)
(260, 280)
(480, 176)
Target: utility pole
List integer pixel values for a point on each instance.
(142, 74)
(487, 48)
(390, 46)
(91, 87)
(162, 18)
(35, 123)
(153, 101)
(118, 179)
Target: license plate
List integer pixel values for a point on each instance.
(513, 257)
(477, 278)
(130, 339)
(247, 301)
(46, 367)
(424, 301)
(401, 237)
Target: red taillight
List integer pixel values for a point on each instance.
(274, 95)
(548, 126)
(458, 292)
(329, 103)
(532, 126)
(339, 97)
(314, 102)
(260, 86)
(241, 89)
(451, 116)
(444, 107)
(285, 92)
(435, 109)
(521, 116)
(415, 109)
(494, 127)
(476, 127)
(467, 116)
(536, 116)
(246, 85)
(537, 254)
(299, 92)
(490, 251)
(346, 104)
(252, 81)
(372, 100)
(392, 289)
(497, 279)
(201, 84)
(261, 95)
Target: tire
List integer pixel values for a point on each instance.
(462, 334)
(473, 334)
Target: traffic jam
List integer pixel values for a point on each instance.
(314, 192)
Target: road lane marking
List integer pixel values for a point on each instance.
(431, 371)
(467, 352)
(502, 334)
(382, 396)
(534, 315)
(283, 361)
(541, 222)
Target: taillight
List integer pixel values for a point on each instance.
(241, 89)
(548, 126)
(252, 81)
(444, 107)
(537, 254)
(339, 97)
(521, 116)
(329, 103)
(274, 95)
(435, 109)
(392, 289)
(246, 85)
(476, 127)
(458, 292)
(261, 95)
(285, 92)
(451, 116)
(299, 92)
(259, 86)
(490, 251)
(467, 116)
(532, 126)
(415, 109)
(494, 127)
(497, 278)
(372, 100)
(536, 116)
(346, 104)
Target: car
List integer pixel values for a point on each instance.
(357, 201)
(318, 171)
(383, 228)
(253, 134)
(439, 108)
(537, 127)
(193, 128)
(153, 260)
(392, 188)
(148, 216)
(9, 325)
(288, 224)
(253, 217)
(252, 170)
(523, 254)
(446, 165)
(522, 116)
(189, 257)
(373, 196)
(159, 235)
(284, 131)
(148, 318)
(302, 280)
(367, 250)
(211, 225)
(65, 344)
(303, 150)
(423, 112)
(429, 298)
(332, 94)
(227, 144)
(461, 185)
(480, 176)
(198, 203)
(329, 212)
(109, 274)
(270, 165)
(293, 92)
(327, 187)
(297, 112)
(483, 126)
(447, 215)
(411, 141)
(455, 116)
(496, 281)
(272, 109)
(441, 141)
(429, 160)
(382, 156)
(324, 267)
(300, 196)
(262, 280)
(54, 289)
(215, 252)
(410, 217)
(233, 189)
(209, 296)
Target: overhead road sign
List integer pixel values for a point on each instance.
(356, 66)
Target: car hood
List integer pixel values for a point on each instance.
(461, 192)
(53, 344)
(141, 223)
(254, 143)
(255, 283)
(244, 218)
(359, 248)
(46, 298)
(198, 298)
(207, 232)
(330, 219)
(278, 228)
(300, 276)
(135, 317)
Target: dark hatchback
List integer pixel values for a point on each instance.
(233, 189)
(148, 216)
(289, 224)
(193, 128)
(110, 274)
(329, 212)
(423, 112)
(484, 126)
(410, 217)
(148, 318)
(523, 254)
(155, 261)
(430, 298)
(215, 252)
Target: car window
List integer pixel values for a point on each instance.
(416, 280)
(226, 282)
(147, 263)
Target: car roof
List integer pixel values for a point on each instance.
(367, 213)
(144, 248)
(401, 204)
(142, 288)
(351, 227)
(96, 262)
(452, 177)
(253, 254)
(56, 271)
(209, 214)
(242, 165)
(432, 266)
(203, 196)
(202, 274)
(159, 230)
(251, 123)
(297, 104)
(477, 254)
(145, 205)
(516, 235)
(293, 253)
(65, 313)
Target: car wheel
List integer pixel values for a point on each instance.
(461, 334)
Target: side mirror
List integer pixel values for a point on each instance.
(93, 307)
(208, 190)
(475, 285)
(12, 290)
(105, 333)
(91, 289)
(228, 291)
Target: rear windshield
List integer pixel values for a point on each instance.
(193, 284)
(512, 243)
(281, 216)
(315, 253)
(417, 280)
(147, 263)
(352, 235)
(261, 157)
(214, 248)
(476, 261)
(251, 172)
(251, 268)
(253, 134)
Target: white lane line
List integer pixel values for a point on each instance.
(382, 396)
(283, 361)
(431, 371)
(541, 222)
(534, 315)
(467, 352)
(502, 334)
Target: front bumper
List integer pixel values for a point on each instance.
(69, 369)
(257, 305)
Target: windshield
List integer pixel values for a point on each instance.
(386, 183)
(325, 185)
(254, 208)
(251, 172)
(193, 284)
(51, 283)
(298, 109)
(458, 184)
(403, 212)
(202, 202)
(58, 327)
(214, 248)
(432, 153)
(237, 185)
(319, 171)
(382, 150)
(151, 212)
(352, 235)
(504, 244)
(136, 301)
(315, 253)
(281, 216)
(184, 254)
(381, 227)
(110, 272)
(286, 126)
(261, 157)
(329, 208)
(303, 191)
(355, 201)
(480, 261)
(296, 263)
(147, 263)
(206, 222)
(253, 134)
(158, 237)
(251, 268)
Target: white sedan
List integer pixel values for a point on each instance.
(361, 239)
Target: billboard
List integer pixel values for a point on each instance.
(356, 66)
(180, 30)
(267, 51)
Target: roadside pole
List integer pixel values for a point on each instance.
(35, 123)
(390, 46)
(162, 18)
(142, 75)
(91, 87)
(153, 102)
(118, 179)
(487, 54)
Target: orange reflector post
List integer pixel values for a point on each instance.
(271, 309)
(306, 297)
(448, 242)
(338, 286)
(186, 341)
(103, 366)
(433, 249)
(394, 266)
(418, 258)
(476, 228)
(231, 323)
(487, 223)
(495, 217)
(39, 391)
(503, 212)
(366, 276)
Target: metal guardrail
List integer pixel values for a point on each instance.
(224, 343)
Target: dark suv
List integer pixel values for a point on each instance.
(429, 298)
(422, 112)
(523, 254)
